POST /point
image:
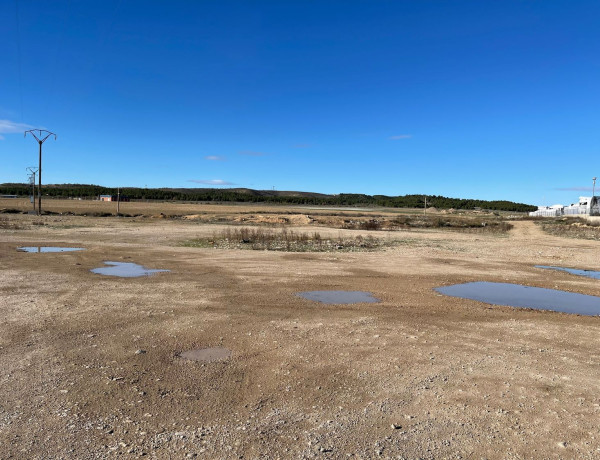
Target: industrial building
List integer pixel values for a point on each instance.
(587, 206)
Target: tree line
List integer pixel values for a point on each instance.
(266, 196)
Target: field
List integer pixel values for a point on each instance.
(90, 365)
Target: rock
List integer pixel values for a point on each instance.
(396, 427)
(562, 444)
(140, 352)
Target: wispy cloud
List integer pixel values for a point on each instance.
(11, 127)
(400, 136)
(251, 153)
(574, 189)
(211, 181)
(214, 158)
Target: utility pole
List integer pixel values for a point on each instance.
(118, 199)
(33, 170)
(41, 137)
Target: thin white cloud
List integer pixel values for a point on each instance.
(12, 127)
(214, 158)
(400, 136)
(574, 189)
(211, 181)
(251, 153)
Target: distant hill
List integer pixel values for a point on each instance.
(246, 195)
(252, 192)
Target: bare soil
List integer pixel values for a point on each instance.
(90, 366)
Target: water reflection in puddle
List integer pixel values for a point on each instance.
(47, 249)
(573, 271)
(125, 270)
(207, 354)
(339, 297)
(516, 295)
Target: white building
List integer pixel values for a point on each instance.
(587, 206)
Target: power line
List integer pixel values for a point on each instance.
(20, 72)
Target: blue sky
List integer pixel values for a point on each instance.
(472, 99)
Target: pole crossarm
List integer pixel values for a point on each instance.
(40, 134)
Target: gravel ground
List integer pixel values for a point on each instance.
(90, 365)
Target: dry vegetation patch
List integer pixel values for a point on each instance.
(284, 240)
(460, 223)
(572, 228)
(9, 224)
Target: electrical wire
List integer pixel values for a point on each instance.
(20, 71)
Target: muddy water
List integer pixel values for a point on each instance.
(207, 354)
(516, 295)
(47, 249)
(339, 297)
(125, 270)
(573, 271)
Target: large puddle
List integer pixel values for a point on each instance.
(339, 297)
(516, 295)
(207, 354)
(125, 270)
(47, 249)
(573, 271)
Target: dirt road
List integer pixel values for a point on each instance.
(90, 366)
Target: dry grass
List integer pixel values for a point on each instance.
(460, 223)
(8, 224)
(572, 228)
(283, 240)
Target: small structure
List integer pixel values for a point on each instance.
(114, 198)
(595, 206)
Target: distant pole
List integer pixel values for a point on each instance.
(41, 137)
(118, 199)
(33, 170)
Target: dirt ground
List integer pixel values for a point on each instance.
(90, 366)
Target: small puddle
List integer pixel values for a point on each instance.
(573, 271)
(339, 297)
(47, 249)
(125, 270)
(516, 295)
(207, 354)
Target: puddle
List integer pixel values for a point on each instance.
(47, 249)
(207, 354)
(339, 297)
(125, 270)
(573, 271)
(516, 295)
